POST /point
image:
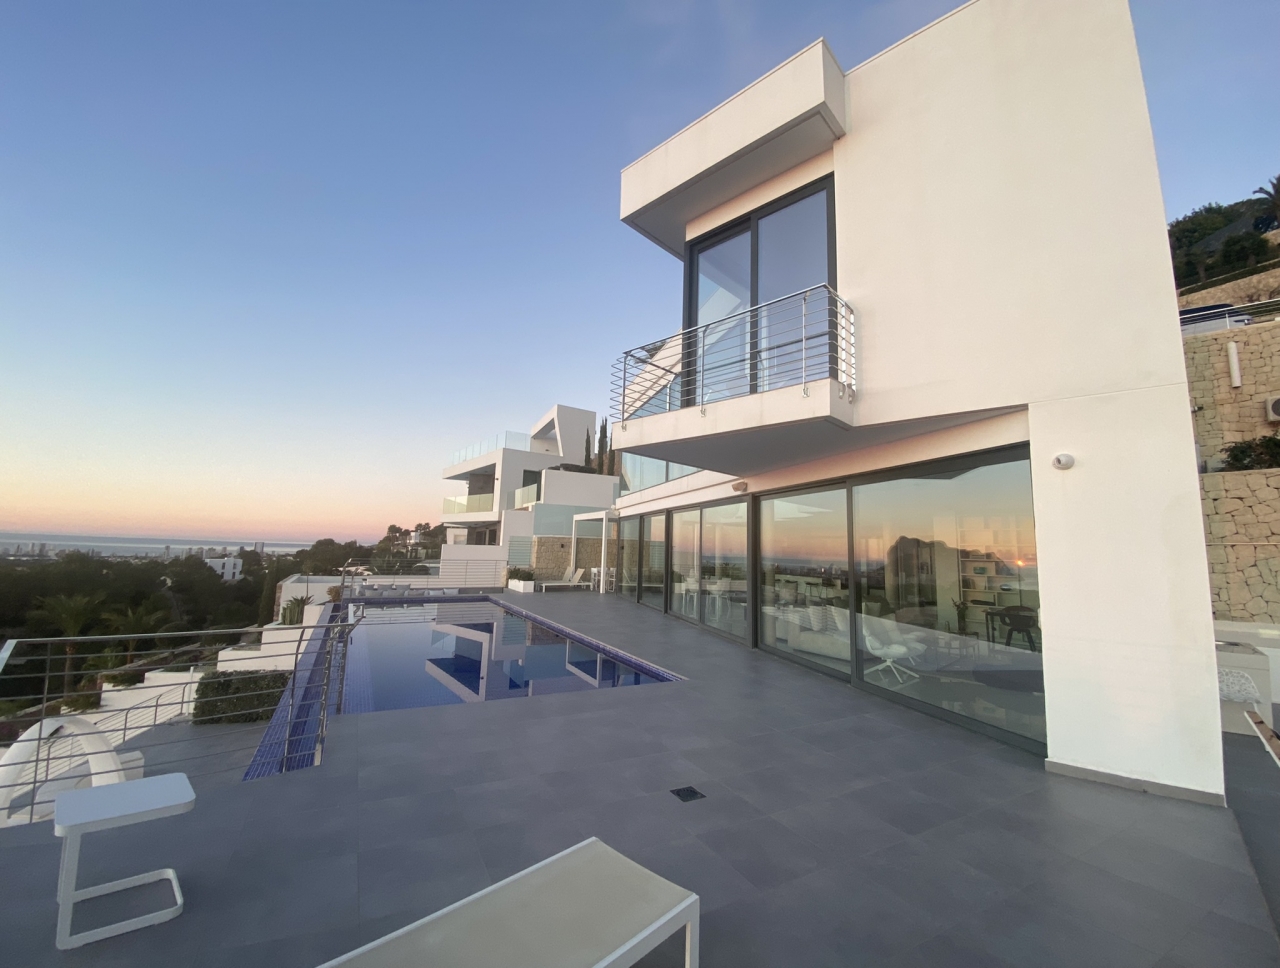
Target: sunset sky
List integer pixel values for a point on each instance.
(264, 265)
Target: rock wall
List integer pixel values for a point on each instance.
(1242, 528)
(1225, 414)
(551, 556)
(1256, 288)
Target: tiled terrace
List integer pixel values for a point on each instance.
(837, 829)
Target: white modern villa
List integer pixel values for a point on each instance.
(929, 363)
(522, 491)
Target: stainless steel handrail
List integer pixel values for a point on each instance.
(789, 341)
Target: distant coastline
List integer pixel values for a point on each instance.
(122, 545)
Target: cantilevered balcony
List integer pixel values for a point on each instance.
(469, 509)
(726, 394)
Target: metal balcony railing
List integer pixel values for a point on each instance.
(791, 341)
(95, 709)
(468, 503)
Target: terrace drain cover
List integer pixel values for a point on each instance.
(686, 794)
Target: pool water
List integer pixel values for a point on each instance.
(441, 654)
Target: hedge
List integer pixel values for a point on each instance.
(244, 696)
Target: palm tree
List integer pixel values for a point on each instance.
(138, 621)
(70, 615)
(1272, 195)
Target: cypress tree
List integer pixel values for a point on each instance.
(602, 445)
(586, 453)
(267, 603)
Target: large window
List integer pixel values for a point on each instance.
(804, 576)
(724, 568)
(948, 592)
(685, 533)
(628, 557)
(653, 567)
(778, 250)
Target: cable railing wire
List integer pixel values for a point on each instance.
(791, 341)
(75, 726)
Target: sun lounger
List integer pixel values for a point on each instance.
(569, 582)
(588, 907)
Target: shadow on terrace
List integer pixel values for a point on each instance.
(835, 828)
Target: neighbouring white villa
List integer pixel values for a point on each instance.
(930, 364)
(228, 568)
(523, 491)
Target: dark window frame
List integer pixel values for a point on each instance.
(750, 222)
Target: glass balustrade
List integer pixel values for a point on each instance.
(508, 440)
(525, 496)
(468, 504)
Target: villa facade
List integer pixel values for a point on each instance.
(930, 367)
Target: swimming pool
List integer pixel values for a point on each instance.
(437, 654)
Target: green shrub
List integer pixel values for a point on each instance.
(123, 678)
(292, 610)
(244, 696)
(83, 700)
(519, 574)
(1260, 453)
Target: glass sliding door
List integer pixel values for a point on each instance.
(685, 532)
(724, 568)
(804, 577)
(948, 591)
(653, 564)
(792, 255)
(628, 557)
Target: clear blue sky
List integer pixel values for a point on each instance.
(264, 265)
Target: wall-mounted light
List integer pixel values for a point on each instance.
(1233, 363)
(1064, 462)
(740, 486)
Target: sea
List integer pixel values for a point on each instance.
(48, 545)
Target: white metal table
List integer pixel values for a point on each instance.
(79, 812)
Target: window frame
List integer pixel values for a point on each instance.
(750, 222)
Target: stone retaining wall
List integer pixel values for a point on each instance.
(1242, 528)
(1228, 414)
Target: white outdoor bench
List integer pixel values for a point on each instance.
(588, 907)
(80, 812)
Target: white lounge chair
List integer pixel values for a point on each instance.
(587, 907)
(572, 579)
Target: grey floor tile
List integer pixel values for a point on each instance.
(900, 806)
(1135, 912)
(951, 949)
(1029, 936)
(1009, 858)
(389, 821)
(510, 848)
(1137, 859)
(721, 807)
(1027, 817)
(764, 851)
(1248, 906)
(419, 877)
(789, 784)
(695, 867)
(267, 898)
(940, 888)
(841, 826)
(636, 823)
(1216, 942)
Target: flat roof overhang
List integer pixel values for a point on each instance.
(792, 114)
(762, 432)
